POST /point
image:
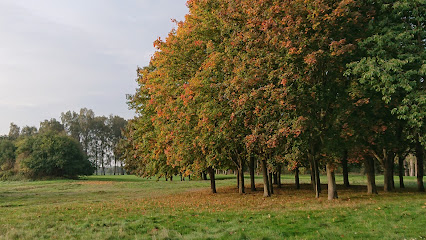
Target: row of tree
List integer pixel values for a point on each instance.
(80, 144)
(302, 83)
(99, 137)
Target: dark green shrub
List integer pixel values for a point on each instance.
(52, 154)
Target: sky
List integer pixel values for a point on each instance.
(61, 55)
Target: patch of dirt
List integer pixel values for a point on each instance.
(95, 182)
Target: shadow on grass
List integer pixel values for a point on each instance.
(133, 178)
(114, 178)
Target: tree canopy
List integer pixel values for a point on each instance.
(301, 83)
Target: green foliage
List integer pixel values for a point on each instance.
(51, 125)
(51, 154)
(28, 131)
(7, 154)
(393, 61)
(14, 131)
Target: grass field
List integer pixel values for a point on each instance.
(127, 207)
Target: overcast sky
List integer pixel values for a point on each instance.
(60, 55)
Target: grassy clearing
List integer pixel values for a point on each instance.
(127, 207)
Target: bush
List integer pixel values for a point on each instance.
(52, 154)
(7, 154)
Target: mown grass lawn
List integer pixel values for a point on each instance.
(128, 207)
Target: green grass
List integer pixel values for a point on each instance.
(127, 207)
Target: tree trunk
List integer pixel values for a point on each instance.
(393, 173)
(415, 167)
(266, 190)
(102, 159)
(345, 169)
(238, 180)
(296, 178)
(251, 169)
(371, 178)
(412, 167)
(115, 165)
(401, 170)
(212, 179)
(420, 156)
(407, 172)
(388, 173)
(122, 169)
(204, 175)
(102, 163)
(275, 175)
(332, 189)
(279, 175)
(96, 160)
(316, 178)
(241, 188)
(271, 186)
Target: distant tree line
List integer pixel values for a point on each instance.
(81, 144)
(255, 84)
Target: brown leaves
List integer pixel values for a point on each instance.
(340, 47)
(362, 101)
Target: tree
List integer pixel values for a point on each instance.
(14, 131)
(393, 65)
(161, 134)
(7, 154)
(320, 37)
(99, 145)
(51, 125)
(70, 121)
(51, 154)
(28, 131)
(116, 126)
(85, 120)
(78, 125)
